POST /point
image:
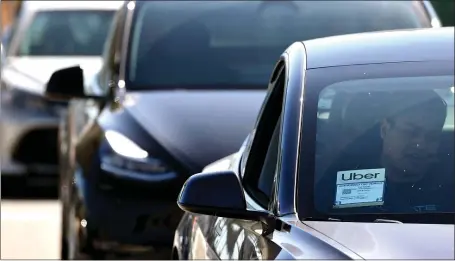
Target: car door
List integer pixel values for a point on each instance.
(239, 239)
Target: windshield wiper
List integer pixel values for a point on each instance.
(381, 220)
(322, 219)
(378, 220)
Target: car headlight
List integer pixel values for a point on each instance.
(124, 146)
(126, 154)
(19, 98)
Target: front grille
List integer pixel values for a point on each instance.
(133, 189)
(38, 147)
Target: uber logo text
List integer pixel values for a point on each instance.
(358, 176)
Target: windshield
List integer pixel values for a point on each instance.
(385, 144)
(191, 44)
(66, 33)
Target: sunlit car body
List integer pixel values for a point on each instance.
(179, 94)
(44, 37)
(263, 201)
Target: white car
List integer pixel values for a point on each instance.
(45, 37)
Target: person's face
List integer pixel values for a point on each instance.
(411, 142)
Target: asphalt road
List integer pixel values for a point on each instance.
(30, 229)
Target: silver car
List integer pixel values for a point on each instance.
(45, 37)
(372, 181)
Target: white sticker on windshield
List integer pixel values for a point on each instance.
(359, 188)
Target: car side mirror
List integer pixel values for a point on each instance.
(217, 194)
(66, 84)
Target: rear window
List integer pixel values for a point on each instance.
(200, 43)
(66, 33)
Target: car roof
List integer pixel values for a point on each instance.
(34, 6)
(381, 47)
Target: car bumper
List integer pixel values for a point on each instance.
(28, 142)
(124, 223)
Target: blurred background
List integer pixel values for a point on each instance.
(444, 8)
(30, 224)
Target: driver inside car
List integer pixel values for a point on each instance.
(407, 150)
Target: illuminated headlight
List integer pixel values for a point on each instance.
(12, 96)
(128, 155)
(124, 146)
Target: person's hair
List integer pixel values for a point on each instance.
(405, 102)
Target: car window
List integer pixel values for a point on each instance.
(57, 33)
(386, 146)
(267, 175)
(259, 160)
(169, 38)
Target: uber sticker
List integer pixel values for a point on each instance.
(359, 188)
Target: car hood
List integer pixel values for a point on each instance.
(31, 73)
(391, 241)
(198, 127)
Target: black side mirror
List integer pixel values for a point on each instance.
(66, 84)
(217, 194)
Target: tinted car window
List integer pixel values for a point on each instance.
(386, 145)
(57, 33)
(236, 42)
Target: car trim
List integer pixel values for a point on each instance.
(126, 39)
(432, 14)
(136, 175)
(291, 129)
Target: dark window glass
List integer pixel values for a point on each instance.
(384, 142)
(195, 44)
(63, 33)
